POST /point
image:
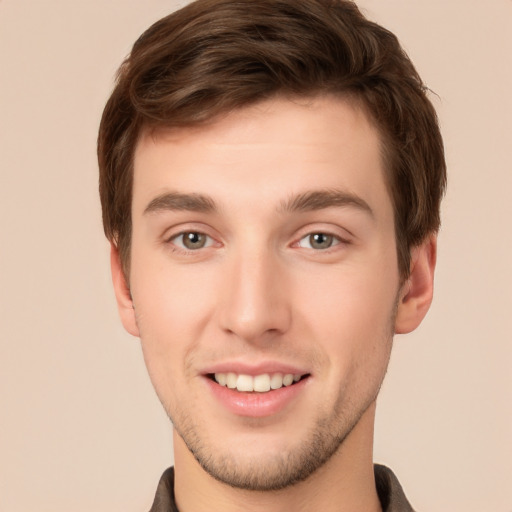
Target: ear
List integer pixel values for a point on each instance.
(416, 293)
(123, 295)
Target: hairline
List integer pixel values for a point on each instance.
(146, 127)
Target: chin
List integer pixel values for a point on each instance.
(272, 464)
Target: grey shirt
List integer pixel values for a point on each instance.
(391, 494)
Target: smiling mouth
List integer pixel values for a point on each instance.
(258, 383)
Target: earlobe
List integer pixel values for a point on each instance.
(122, 291)
(416, 293)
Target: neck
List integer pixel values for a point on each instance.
(345, 482)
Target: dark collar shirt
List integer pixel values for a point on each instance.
(391, 494)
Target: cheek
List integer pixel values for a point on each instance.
(352, 317)
(174, 304)
(169, 299)
(344, 299)
(170, 308)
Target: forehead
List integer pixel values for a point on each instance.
(273, 149)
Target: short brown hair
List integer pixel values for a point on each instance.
(214, 56)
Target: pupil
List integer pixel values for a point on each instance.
(320, 241)
(193, 240)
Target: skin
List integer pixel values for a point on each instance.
(260, 291)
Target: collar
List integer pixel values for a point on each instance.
(391, 494)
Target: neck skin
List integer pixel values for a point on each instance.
(345, 482)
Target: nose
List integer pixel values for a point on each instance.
(254, 302)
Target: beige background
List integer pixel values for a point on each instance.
(80, 427)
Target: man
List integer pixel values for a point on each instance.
(270, 177)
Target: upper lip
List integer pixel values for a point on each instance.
(240, 367)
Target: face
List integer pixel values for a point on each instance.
(264, 283)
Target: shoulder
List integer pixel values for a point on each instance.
(391, 494)
(164, 497)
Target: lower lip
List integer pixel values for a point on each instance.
(256, 405)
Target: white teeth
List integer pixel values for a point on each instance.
(287, 379)
(222, 378)
(245, 383)
(231, 379)
(262, 383)
(259, 383)
(276, 381)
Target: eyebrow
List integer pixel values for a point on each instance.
(307, 201)
(322, 199)
(175, 201)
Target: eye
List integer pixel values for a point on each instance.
(191, 240)
(318, 241)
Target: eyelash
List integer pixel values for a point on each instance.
(335, 241)
(182, 248)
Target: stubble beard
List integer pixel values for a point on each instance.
(279, 470)
(284, 469)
